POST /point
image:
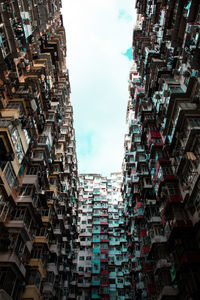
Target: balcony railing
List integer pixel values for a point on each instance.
(158, 239)
(14, 259)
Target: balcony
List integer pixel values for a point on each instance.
(46, 216)
(84, 284)
(5, 208)
(48, 288)
(41, 240)
(162, 263)
(114, 242)
(31, 292)
(57, 231)
(52, 267)
(155, 219)
(168, 291)
(12, 258)
(144, 250)
(27, 193)
(170, 200)
(95, 296)
(20, 225)
(147, 184)
(120, 285)
(72, 296)
(127, 283)
(104, 260)
(4, 295)
(154, 140)
(140, 285)
(60, 216)
(104, 283)
(39, 156)
(85, 243)
(103, 240)
(150, 202)
(38, 263)
(157, 239)
(103, 221)
(95, 283)
(176, 226)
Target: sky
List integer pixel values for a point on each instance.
(99, 38)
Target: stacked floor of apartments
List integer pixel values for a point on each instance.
(100, 259)
(38, 168)
(161, 168)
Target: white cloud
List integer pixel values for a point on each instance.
(96, 39)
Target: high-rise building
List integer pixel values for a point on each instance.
(101, 260)
(161, 184)
(132, 235)
(38, 166)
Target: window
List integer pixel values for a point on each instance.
(9, 175)
(50, 117)
(104, 246)
(14, 135)
(88, 269)
(38, 154)
(104, 236)
(81, 269)
(19, 151)
(82, 258)
(88, 258)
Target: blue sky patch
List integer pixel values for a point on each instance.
(123, 15)
(128, 54)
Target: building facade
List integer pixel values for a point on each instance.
(101, 260)
(162, 157)
(38, 165)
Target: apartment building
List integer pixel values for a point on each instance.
(100, 259)
(38, 165)
(161, 161)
